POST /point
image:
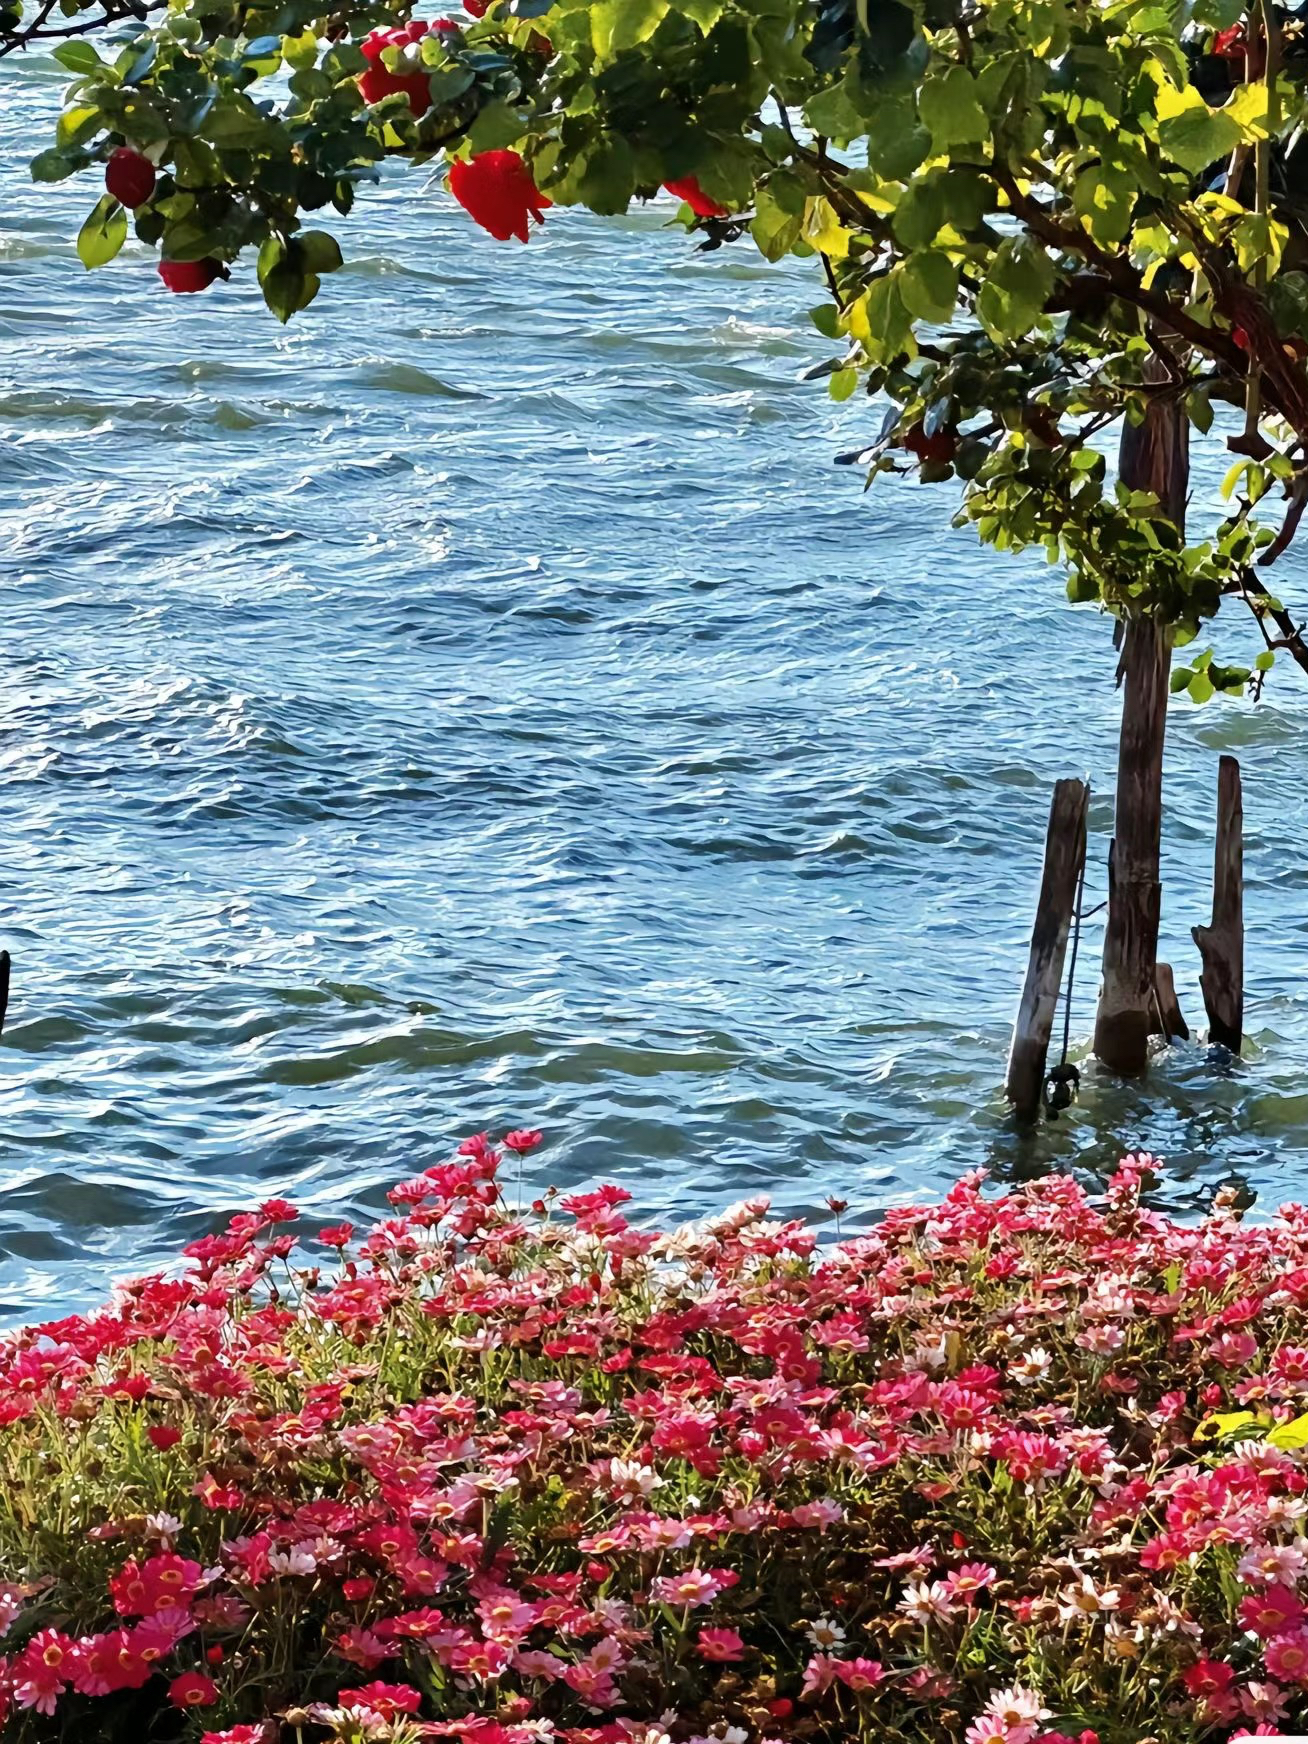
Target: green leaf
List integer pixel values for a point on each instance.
(1290, 1435)
(826, 318)
(968, 197)
(881, 318)
(56, 166)
(920, 213)
(188, 239)
(1248, 107)
(271, 255)
(103, 234)
(832, 114)
(287, 288)
(609, 180)
(897, 142)
(1259, 238)
(1201, 688)
(133, 66)
(842, 384)
(318, 252)
(300, 52)
(236, 122)
(619, 24)
(1199, 409)
(929, 285)
(1234, 473)
(950, 107)
(496, 127)
(1015, 289)
(1104, 199)
(775, 228)
(1265, 661)
(78, 124)
(705, 13)
(1192, 134)
(451, 82)
(78, 57)
(1223, 1423)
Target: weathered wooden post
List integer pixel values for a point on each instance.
(1154, 456)
(1064, 858)
(1170, 1023)
(1221, 945)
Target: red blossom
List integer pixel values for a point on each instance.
(188, 276)
(522, 1139)
(527, 1454)
(701, 204)
(129, 176)
(496, 189)
(379, 82)
(192, 1690)
(387, 1699)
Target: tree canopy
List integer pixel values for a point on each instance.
(1032, 218)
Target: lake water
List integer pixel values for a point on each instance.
(484, 701)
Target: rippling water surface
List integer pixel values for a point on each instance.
(485, 701)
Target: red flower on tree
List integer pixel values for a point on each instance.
(496, 189)
(190, 275)
(379, 81)
(700, 203)
(129, 176)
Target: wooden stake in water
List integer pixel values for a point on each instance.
(1221, 945)
(1064, 857)
(1170, 1020)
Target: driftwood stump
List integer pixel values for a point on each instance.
(1221, 945)
(1064, 857)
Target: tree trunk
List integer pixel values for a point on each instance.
(1154, 456)
(1221, 945)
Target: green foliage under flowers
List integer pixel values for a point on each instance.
(1018, 1468)
(1031, 217)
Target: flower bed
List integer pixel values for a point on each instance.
(499, 1478)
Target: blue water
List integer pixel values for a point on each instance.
(485, 701)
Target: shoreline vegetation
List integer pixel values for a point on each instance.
(1017, 1466)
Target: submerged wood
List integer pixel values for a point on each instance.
(1169, 1019)
(1221, 945)
(1064, 857)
